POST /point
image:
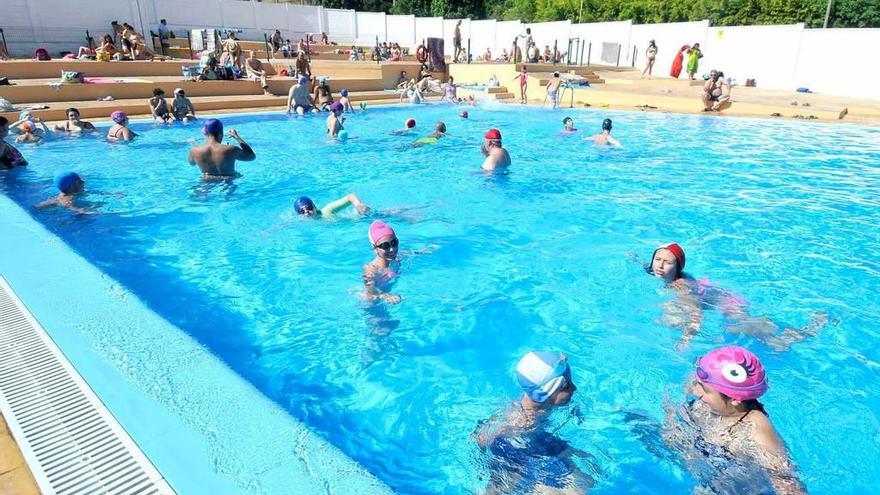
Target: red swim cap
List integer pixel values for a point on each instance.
(464, 114)
(410, 123)
(493, 135)
(676, 251)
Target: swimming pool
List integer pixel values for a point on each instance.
(785, 214)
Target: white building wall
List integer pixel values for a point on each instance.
(669, 38)
(505, 32)
(370, 25)
(597, 33)
(837, 61)
(482, 37)
(765, 53)
(428, 27)
(401, 29)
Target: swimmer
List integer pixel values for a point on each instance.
(10, 157)
(568, 126)
(409, 128)
(345, 101)
(215, 159)
(39, 128)
(119, 131)
(605, 137)
(450, 91)
(434, 137)
(159, 107)
(305, 206)
(335, 119)
(492, 149)
(70, 185)
(380, 274)
(74, 125)
(527, 455)
(726, 434)
(298, 98)
(181, 107)
(412, 92)
(27, 134)
(553, 89)
(695, 296)
(464, 114)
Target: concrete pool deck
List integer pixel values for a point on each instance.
(204, 428)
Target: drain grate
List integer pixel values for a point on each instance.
(72, 444)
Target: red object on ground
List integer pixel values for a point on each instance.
(679, 59)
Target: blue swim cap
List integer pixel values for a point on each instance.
(303, 79)
(65, 180)
(343, 135)
(213, 127)
(542, 373)
(344, 92)
(303, 202)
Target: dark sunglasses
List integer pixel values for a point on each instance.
(385, 246)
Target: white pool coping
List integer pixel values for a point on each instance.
(205, 428)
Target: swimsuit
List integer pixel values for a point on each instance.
(12, 158)
(534, 457)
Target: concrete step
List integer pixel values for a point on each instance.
(38, 91)
(504, 96)
(101, 110)
(31, 69)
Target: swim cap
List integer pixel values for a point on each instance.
(542, 373)
(65, 180)
(178, 90)
(734, 371)
(493, 135)
(464, 114)
(335, 107)
(343, 135)
(378, 230)
(676, 251)
(556, 74)
(118, 116)
(212, 127)
(344, 92)
(303, 202)
(410, 123)
(606, 125)
(303, 79)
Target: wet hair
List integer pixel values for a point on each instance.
(163, 20)
(4, 121)
(528, 30)
(158, 91)
(71, 109)
(606, 125)
(107, 38)
(567, 119)
(720, 74)
(440, 126)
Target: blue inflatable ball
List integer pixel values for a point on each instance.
(343, 135)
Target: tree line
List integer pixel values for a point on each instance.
(844, 14)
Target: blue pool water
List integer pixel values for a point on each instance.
(785, 214)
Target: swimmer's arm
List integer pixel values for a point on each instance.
(614, 142)
(342, 203)
(40, 123)
(371, 292)
(245, 153)
(48, 202)
(192, 156)
(775, 461)
(289, 99)
(127, 135)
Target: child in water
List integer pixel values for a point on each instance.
(526, 457)
(305, 206)
(725, 435)
(69, 185)
(345, 101)
(668, 262)
(380, 274)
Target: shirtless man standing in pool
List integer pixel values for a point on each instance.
(215, 159)
(496, 155)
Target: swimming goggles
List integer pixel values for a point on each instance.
(385, 246)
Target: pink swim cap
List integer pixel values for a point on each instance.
(410, 123)
(378, 230)
(118, 116)
(733, 371)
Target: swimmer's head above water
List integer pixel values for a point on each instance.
(568, 123)
(667, 262)
(727, 377)
(305, 206)
(119, 117)
(213, 127)
(545, 377)
(606, 125)
(440, 127)
(69, 182)
(384, 240)
(410, 123)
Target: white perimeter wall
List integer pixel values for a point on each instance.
(835, 61)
